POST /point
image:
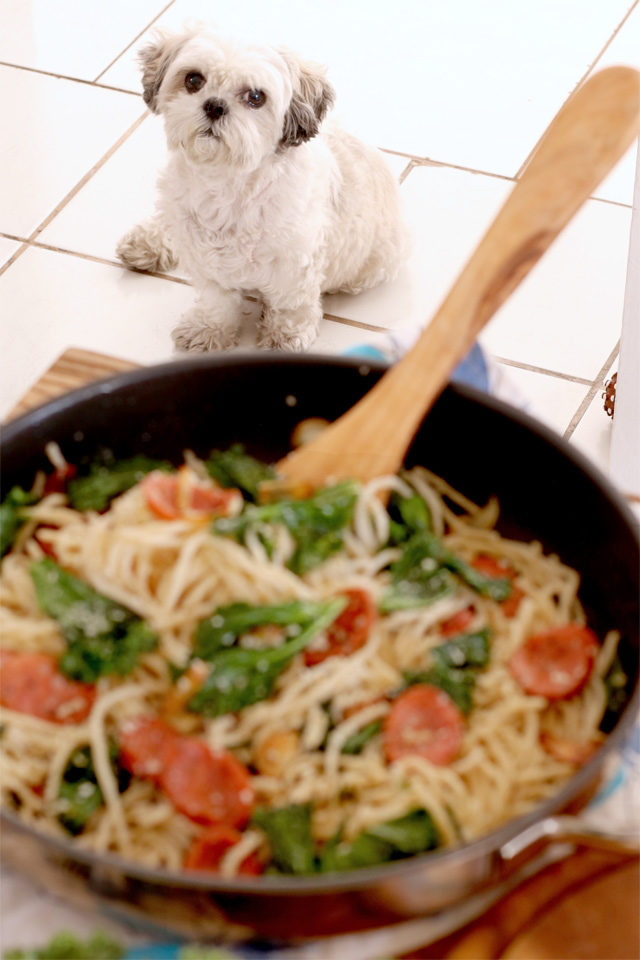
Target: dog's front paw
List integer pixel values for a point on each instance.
(200, 337)
(290, 330)
(146, 247)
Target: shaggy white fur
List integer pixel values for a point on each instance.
(258, 198)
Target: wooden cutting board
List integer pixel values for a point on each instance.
(586, 906)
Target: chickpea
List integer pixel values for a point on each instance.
(273, 753)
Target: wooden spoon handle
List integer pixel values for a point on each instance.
(584, 141)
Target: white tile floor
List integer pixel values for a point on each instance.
(456, 93)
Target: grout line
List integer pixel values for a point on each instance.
(581, 81)
(94, 258)
(64, 76)
(428, 162)
(135, 39)
(74, 190)
(591, 393)
(405, 173)
(356, 323)
(548, 373)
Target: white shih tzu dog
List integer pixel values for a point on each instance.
(258, 198)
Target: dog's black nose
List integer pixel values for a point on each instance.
(215, 108)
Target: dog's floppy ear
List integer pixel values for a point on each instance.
(312, 97)
(154, 60)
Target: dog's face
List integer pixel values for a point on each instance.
(232, 105)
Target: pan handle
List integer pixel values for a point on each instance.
(565, 829)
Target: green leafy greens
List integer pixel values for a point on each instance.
(455, 666)
(235, 468)
(11, 518)
(240, 676)
(358, 740)
(316, 523)
(67, 946)
(108, 479)
(294, 851)
(102, 636)
(79, 792)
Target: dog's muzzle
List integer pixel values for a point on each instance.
(215, 109)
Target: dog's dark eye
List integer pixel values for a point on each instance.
(255, 98)
(194, 81)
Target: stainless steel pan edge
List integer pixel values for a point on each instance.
(423, 884)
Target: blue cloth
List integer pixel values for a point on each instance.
(472, 371)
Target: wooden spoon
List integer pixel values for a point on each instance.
(584, 141)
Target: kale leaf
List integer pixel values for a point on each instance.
(316, 523)
(294, 850)
(288, 831)
(240, 677)
(416, 578)
(67, 946)
(235, 468)
(497, 588)
(79, 788)
(358, 740)
(108, 479)
(407, 515)
(403, 837)
(423, 571)
(103, 637)
(11, 518)
(616, 684)
(455, 665)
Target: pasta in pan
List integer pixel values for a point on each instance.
(303, 685)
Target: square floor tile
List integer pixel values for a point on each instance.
(566, 316)
(592, 436)
(71, 37)
(117, 197)
(54, 301)
(7, 249)
(551, 400)
(462, 82)
(54, 132)
(447, 212)
(624, 50)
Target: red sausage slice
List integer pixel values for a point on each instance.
(491, 567)
(425, 721)
(31, 683)
(207, 850)
(147, 746)
(162, 493)
(555, 664)
(349, 631)
(457, 623)
(210, 787)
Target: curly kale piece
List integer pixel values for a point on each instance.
(239, 676)
(358, 740)
(236, 468)
(417, 579)
(79, 790)
(108, 479)
(102, 636)
(455, 666)
(294, 851)
(288, 831)
(11, 517)
(67, 946)
(315, 523)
